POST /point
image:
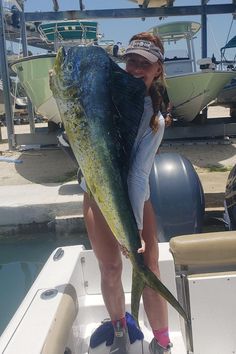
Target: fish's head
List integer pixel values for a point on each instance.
(77, 68)
(64, 77)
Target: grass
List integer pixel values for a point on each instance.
(218, 168)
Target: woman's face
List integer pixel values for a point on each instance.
(141, 68)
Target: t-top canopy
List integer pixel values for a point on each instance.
(230, 44)
(69, 30)
(175, 31)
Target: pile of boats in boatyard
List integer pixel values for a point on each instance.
(189, 90)
(64, 305)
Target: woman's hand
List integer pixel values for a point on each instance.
(126, 252)
(142, 248)
(168, 120)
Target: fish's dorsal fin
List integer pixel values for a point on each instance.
(128, 98)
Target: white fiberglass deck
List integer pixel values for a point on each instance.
(64, 305)
(29, 330)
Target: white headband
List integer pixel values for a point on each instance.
(146, 49)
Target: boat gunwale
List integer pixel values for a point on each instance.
(32, 57)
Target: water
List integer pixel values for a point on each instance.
(21, 260)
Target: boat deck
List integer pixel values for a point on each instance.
(64, 306)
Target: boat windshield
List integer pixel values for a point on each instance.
(179, 54)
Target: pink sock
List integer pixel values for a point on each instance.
(122, 322)
(162, 336)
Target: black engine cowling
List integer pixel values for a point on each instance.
(177, 196)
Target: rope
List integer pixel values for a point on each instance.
(223, 52)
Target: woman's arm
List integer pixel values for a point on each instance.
(140, 168)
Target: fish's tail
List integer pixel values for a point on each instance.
(138, 285)
(145, 277)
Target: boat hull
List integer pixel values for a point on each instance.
(33, 73)
(191, 93)
(227, 97)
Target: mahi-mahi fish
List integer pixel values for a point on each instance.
(100, 106)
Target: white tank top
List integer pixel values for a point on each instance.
(143, 153)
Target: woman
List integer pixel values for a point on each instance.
(144, 60)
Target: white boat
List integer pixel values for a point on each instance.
(33, 73)
(64, 305)
(190, 94)
(189, 90)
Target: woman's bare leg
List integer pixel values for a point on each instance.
(154, 304)
(107, 251)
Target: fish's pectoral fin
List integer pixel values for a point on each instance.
(138, 285)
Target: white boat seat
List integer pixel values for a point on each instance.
(198, 257)
(46, 322)
(64, 317)
(203, 250)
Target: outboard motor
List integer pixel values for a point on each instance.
(177, 196)
(230, 198)
(206, 64)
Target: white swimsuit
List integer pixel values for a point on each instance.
(143, 153)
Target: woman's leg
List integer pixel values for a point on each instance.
(155, 305)
(107, 251)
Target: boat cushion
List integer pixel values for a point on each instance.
(67, 310)
(207, 249)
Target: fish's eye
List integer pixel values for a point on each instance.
(69, 67)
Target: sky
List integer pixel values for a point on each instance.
(220, 27)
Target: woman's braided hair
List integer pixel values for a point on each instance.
(159, 84)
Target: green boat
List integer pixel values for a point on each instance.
(69, 32)
(33, 74)
(33, 71)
